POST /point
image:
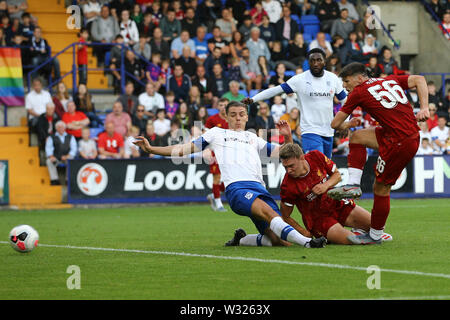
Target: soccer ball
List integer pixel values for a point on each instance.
(23, 238)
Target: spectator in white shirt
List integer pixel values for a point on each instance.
(161, 124)
(128, 29)
(273, 9)
(322, 43)
(87, 147)
(278, 108)
(151, 100)
(36, 102)
(425, 148)
(424, 132)
(91, 10)
(439, 135)
(131, 150)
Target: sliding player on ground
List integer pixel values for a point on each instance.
(238, 154)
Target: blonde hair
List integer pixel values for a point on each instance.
(290, 150)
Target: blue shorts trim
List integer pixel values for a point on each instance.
(242, 194)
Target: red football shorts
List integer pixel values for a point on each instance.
(322, 223)
(394, 155)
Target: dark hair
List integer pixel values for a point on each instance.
(235, 104)
(353, 68)
(316, 50)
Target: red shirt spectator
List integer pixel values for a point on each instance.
(75, 120)
(82, 54)
(110, 143)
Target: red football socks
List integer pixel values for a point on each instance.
(357, 156)
(380, 211)
(216, 191)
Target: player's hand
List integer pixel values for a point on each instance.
(247, 101)
(319, 189)
(143, 143)
(354, 122)
(423, 115)
(283, 127)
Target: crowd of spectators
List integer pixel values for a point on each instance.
(181, 57)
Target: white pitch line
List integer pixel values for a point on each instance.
(186, 254)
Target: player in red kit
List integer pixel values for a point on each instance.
(305, 185)
(217, 120)
(396, 138)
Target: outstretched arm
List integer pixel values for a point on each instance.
(264, 95)
(178, 150)
(285, 131)
(286, 212)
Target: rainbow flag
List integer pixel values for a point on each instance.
(11, 82)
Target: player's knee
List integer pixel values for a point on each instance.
(355, 137)
(381, 189)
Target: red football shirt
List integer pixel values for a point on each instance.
(385, 100)
(297, 191)
(68, 118)
(216, 121)
(110, 144)
(82, 54)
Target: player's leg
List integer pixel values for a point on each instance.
(337, 234)
(327, 146)
(380, 210)
(356, 160)
(268, 239)
(263, 211)
(217, 186)
(359, 218)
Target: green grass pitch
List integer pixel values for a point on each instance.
(416, 265)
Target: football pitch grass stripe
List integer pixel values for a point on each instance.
(287, 262)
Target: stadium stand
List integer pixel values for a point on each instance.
(104, 84)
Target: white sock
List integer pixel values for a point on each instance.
(286, 232)
(255, 240)
(218, 202)
(376, 234)
(354, 176)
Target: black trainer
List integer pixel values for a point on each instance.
(318, 242)
(238, 235)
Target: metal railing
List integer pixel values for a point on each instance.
(74, 69)
(385, 30)
(444, 76)
(435, 17)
